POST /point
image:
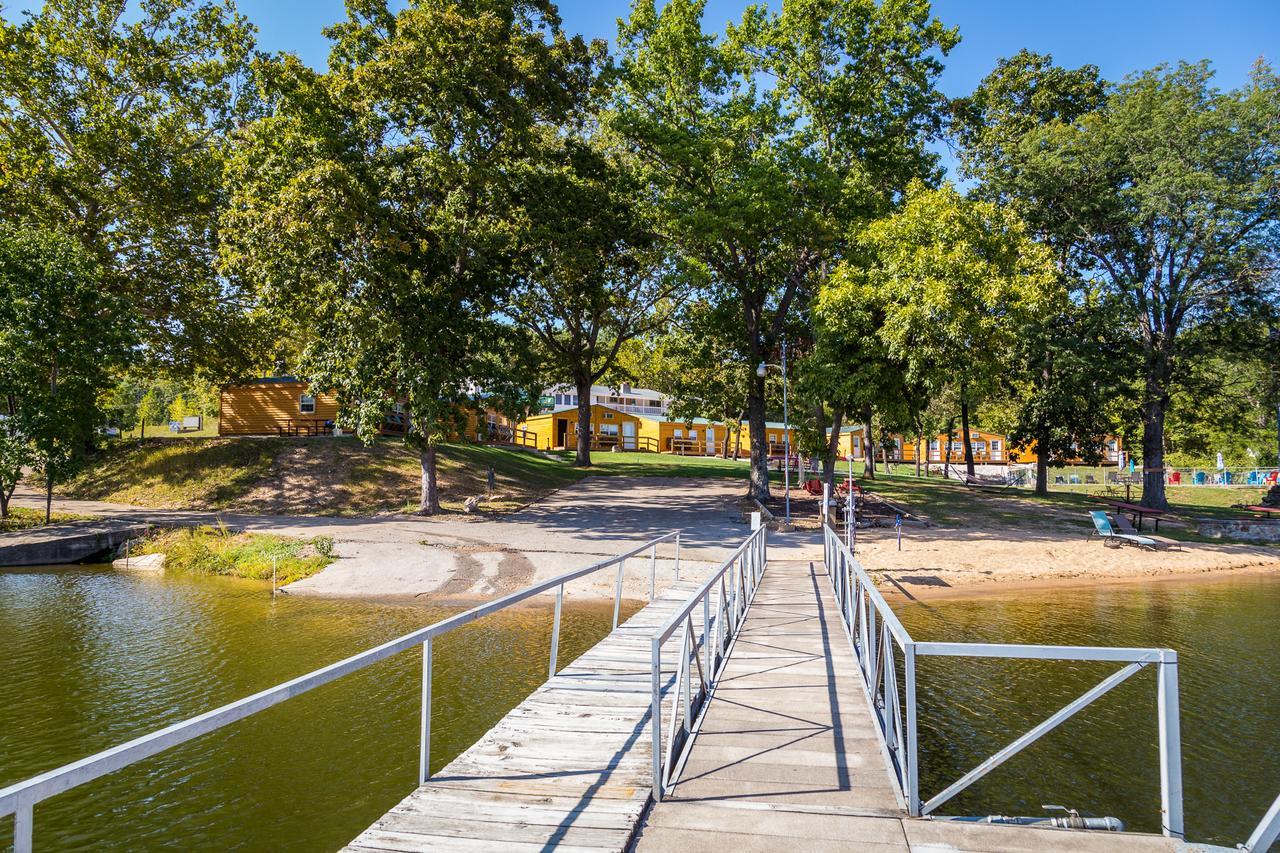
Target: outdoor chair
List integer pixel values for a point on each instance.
(1102, 528)
(1126, 528)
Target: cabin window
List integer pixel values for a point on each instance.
(679, 433)
(608, 429)
(773, 439)
(307, 404)
(995, 445)
(933, 445)
(979, 447)
(608, 416)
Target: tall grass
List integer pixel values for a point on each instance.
(218, 551)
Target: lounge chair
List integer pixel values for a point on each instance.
(1102, 527)
(1126, 528)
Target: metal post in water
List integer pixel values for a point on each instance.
(274, 562)
(555, 631)
(424, 746)
(1170, 745)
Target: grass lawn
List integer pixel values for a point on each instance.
(950, 503)
(175, 474)
(21, 518)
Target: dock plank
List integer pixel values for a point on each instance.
(569, 768)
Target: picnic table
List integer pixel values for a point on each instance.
(1139, 512)
(303, 426)
(1264, 511)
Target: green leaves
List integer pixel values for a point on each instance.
(111, 129)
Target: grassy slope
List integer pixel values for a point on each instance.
(216, 551)
(21, 518)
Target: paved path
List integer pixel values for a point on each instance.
(568, 768)
(478, 557)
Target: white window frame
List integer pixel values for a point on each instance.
(305, 400)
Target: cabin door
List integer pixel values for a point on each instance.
(628, 435)
(711, 442)
(562, 432)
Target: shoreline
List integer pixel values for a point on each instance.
(896, 593)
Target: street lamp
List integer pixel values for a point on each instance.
(761, 371)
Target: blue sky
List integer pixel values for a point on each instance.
(1118, 35)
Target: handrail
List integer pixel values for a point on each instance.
(873, 630)
(737, 579)
(21, 798)
(1267, 832)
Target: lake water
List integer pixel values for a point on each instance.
(1104, 760)
(94, 657)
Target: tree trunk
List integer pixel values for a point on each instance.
(868, 444)
(1042, 463)
(919, 443)
(429, 500)
(737, 437)
(142, 425)
(833, 445)
(759, 484)
(6, 495)
(582, 458)
(1278, 434)
(946, 449)
(964, 425)
(48, 495)
(1153, 412)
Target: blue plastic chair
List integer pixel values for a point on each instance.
(1200, 479)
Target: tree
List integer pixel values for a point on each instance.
(593, 277)
(956, 281)
(151, 410)
(61, 337)
(696, 360)
(1167, 193)
(754, 183)
(1071, 366)
(376, 204)
(111, 129)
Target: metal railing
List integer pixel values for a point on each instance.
(1267, 833)
(21, 798)
(733, 585)
(874, 631)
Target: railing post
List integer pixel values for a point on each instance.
(677, 557)
(617, 593)
(655, 715)
(555, 631)
(653, 569)
(23, 819)
(913, 749)
(706, 631)
(1170, 746)
(687, 725)
(424, 746)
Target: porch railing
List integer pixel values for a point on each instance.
(725, 596)
(878, 637)
(21, 798)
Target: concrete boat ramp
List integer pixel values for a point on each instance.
(787, 755)
(69, 542)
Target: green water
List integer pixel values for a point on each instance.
(94, 657)
(1104, 760)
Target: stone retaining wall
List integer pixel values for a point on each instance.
(1240, 529)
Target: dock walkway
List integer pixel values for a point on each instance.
(787, 756)
(569, 768)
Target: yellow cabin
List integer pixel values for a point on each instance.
(275, 406)
(558, 429)
(989, 448)
(776, 434)
(1111, 453)
(696, 437)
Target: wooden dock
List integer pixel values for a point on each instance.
(569, 768)
(787, 757)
